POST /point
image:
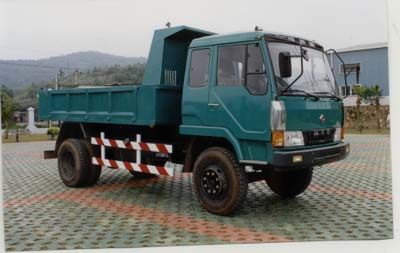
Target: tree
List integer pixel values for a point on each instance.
(27, 97)
(7, 107)
(375, 94)
(359, 91)
(6, 90)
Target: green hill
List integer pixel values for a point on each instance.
(131, 74)
(123, 75)
(17, 74)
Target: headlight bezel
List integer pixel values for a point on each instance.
(278, 116)
(293, 139)
(338, 134)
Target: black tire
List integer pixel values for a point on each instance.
(289, 184)
(74, 163)
(94, 170)
(219, 182)
(94, 175)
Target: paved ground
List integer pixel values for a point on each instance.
(347, 200)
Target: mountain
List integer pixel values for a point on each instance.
(114, 75)
(17, 74)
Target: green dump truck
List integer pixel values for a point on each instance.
(231, 109)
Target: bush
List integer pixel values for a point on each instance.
(53, 132)
(370, 95)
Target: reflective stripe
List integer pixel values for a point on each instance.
(152, 147)
(158, 170)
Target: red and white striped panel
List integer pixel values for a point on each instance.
(158, 170)
(152, 147)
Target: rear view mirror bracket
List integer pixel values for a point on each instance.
(341, 60)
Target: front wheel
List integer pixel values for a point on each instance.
(219, 182)
(289, 184)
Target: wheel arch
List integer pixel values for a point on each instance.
(198, 144)
(69, 130)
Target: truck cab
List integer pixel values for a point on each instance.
(273, 98)
(230, 109)
(237, 86)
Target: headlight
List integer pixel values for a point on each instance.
(287, 139)
(293, 138)
(338, 134)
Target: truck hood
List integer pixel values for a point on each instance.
(306, 114)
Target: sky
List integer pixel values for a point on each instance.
(32, 29)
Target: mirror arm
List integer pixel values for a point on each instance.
(341, 60)
(301, 73)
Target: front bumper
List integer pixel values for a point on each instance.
(310, 157)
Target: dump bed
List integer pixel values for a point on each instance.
(156, 101)
(134, 104)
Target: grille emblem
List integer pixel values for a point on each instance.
(322, 118)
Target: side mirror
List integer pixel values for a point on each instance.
(285, 64)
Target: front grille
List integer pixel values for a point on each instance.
(316, 137)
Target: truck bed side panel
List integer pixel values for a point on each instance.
(135, 105)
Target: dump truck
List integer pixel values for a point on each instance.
(231, 109)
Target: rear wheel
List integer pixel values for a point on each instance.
(74, 164)
(289, 184)
(219, 182)
(94, 175)
(94, 170)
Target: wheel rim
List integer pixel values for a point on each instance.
(68, 165)
(214, 183)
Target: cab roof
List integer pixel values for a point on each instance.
(250, 36)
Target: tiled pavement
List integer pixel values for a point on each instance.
(347, 200)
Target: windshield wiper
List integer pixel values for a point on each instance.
(329, 93)
(302, 91)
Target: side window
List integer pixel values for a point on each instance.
(231, 65)
(242, 65)
(255, 76)
(200, 61)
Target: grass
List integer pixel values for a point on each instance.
(27, 138)
(366, 131)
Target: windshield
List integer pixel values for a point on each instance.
(317, 76)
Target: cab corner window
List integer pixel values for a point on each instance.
(200, 61)
(255, 77)
(242, 65)
(255, 63)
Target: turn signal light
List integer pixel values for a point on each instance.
(278, 138)
(342, 134)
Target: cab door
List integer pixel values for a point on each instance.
(196, 88)
(238, 93)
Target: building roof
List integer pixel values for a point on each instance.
(364, 47)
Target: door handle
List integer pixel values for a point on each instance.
(213, 105)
